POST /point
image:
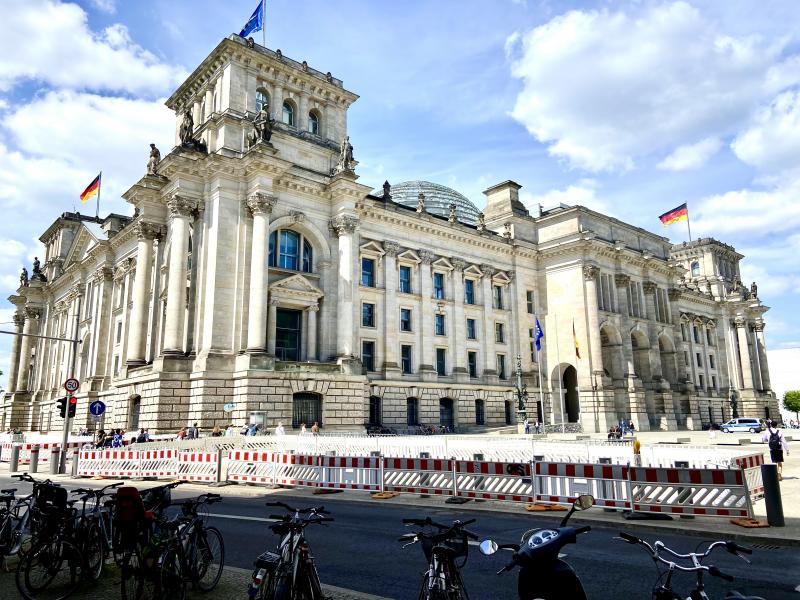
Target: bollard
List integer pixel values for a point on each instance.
(607, 486)
(13, 466)
(76, 454)
(34, 459)
(478, 457)
(55, 455)
(772, 495)
(219, 465)
(423, 477)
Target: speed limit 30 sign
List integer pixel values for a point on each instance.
(72, 385)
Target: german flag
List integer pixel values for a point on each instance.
(92, 190)
(681, 213)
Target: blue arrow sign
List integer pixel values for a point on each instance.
(97, 408)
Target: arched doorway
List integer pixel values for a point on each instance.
(446, 414)
(306, 408)
(572, 400)
(641, 356)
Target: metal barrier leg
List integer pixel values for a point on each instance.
(772, 495)
(75, 456)
(34, 459)
(13, 465)
(55, 455)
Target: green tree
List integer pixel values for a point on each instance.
(791, 402)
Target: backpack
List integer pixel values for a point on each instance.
(774, 440)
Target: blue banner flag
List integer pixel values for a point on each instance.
(538, 334)
(255, 22)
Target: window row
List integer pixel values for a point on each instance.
(407, 363)
(697, 336)
(288, 111)
(368, 319)
(412, 412)
(699, 360)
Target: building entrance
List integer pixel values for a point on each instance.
(288, 324)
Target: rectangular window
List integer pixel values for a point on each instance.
(405, 279)
(529, 302)
(711, 361)
(405, 359)
(497, 297)
(684, 335)
(439, 324)
(709, 337)
(412, 411)
(499, 333)
(471, 329)
(472, 364)
(702, 382)
(438, 286)
(116, 365)
(405, 319)
(699, 358)
(441, 361)
(368, 355)
(501, 366)
(696, 334)
(480, 414)
(713, 382)
(367, 315)
(469, 291)
(686, 358)
(119, 331)
(368, 272)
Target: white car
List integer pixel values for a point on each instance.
(742, 424)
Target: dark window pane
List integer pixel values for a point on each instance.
(405, 279)
(469, 291)
(405, 358)
(368, 315)
(368, 272)
(289, 250)
(480, 417)
(272, 241)
(438, 286)
(441, 358)
(439, 321)
(306, 408)
(308, 257)
(368, 355)
(374, 410)
(472, 361)
(405, 319)
(471, 329)
(412, 411)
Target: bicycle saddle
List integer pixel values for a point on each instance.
(734, 595)
(8, 491)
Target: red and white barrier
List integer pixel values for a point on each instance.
(495, 481)
(561, 483)
(197, 466)
(119, 464)
(251, 466)
(45, 450)
(158, 463)
(350, 473)
(418, 475)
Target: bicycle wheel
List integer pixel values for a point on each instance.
(171, 583)
(283, 586)
(136, 581)
(50, 571)
(308, 585)
(210, 559)
(94, 551)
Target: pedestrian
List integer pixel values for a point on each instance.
(631, 428)
(315, 428)
(251, 430)
(101, 438)
(182, 433)
(279, 430)
(777, 446)
(116, 440)
(146, 435)
(302, 429)
(193, 433)
(216, 432)
(623, 427)
(142, 437)
(527, 426)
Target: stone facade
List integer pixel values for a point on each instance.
(260, 281)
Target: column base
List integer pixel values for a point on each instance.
(135, 362)
(252, 360)
(350, 365)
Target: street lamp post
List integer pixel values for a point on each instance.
(522, 397)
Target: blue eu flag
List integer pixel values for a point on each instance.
(538, 334)
(255, 22)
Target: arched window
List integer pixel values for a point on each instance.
(262, 100)
(695, 269)
(313, 122)
(480, 413)
(285, 251)
(306, 408)
(288, 113)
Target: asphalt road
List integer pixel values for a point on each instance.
(359, 551)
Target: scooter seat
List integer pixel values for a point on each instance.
(734, 595)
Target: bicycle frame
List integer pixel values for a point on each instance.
(16, 532)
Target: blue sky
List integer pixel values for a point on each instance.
(630, 108)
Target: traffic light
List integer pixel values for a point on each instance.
(73, 404)
(62, 407)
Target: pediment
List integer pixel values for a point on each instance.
(83, 242)
(473, 271)
(372, 247)
(501, 278)
(443, 264)
(296, 285)
(409, 256)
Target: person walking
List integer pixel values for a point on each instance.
(527, 426)
(193, 433)
(302, 429)
(315, 428)
(777, 446)
(279, 430)
(632, 428)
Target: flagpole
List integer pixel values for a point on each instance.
(263, 22)
(540, 412)
(560, 391)
(99, 187)
(688, 225)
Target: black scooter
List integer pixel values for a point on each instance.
(543, 575)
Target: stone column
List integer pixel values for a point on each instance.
(30, 328)
(137, 338)
(390, 315)
(103, 320)
(489, 359)
(649, 288)
(758, 327)
(459, 324)
(426, 311)
(622, 282)
(273, 315)
(260, 206)
(311, 332)
(209, 105)
(593, 322)
(344, 226)
(302, 118)
(181, 210)
(744, 353)
(16, 343)
(277, 102)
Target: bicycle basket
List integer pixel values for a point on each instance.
(157, 499)
(269, 561)
(457, 545)
(49, 496)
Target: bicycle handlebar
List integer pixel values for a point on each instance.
(717, 573)
(320, 510)
(694, 557)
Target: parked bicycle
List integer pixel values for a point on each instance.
(14, 516)
(692, 563)
(289, 573)
(93, 528)
(446, 550)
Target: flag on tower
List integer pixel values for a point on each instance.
(255, 22)
(92, 190)
(575, 340)
(538, 334)
(680, 213)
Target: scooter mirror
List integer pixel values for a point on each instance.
(488, 547)
(583, 502)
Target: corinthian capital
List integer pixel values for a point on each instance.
(181, 206)
(32, 312)
(488, 270)
(147, 231)
(344, 224)
(740, 321)
(260, 203)
(590, 272)
(758, 326)
(674, 294)
(649, 287)
(458, 263)
(426, 256)
(19, 319)
(391, 248)
(621, 280)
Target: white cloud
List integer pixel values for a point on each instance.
(107, 6)
(603, 88)
(690, 156)
(62, 51)
(772, 142)
(583, 193)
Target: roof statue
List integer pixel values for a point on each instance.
(346, 162)
(263, 126)
(421, 203)
(23, 277)
(152, 162)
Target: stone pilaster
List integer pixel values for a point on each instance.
(459, 325)
(489, 357)
(272, 323)
(311, 332)
(622, 281)
(344, 227)
(260, 206)
(593, 322)
(426, 310)
(758, 327)
(30, 328)
(744, 353)
(146, 232)
(390, 314)
(181, 213)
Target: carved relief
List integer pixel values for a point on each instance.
(590, 272)
(181, 206)
(622, 280)
(344, 224)
(426, 256)
(260, 203)
(391, 248)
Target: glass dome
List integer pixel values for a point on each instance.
(437, 199)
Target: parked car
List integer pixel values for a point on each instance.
(742, 424)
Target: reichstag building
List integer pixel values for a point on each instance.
(256, 279)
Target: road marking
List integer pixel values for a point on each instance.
(242, 518)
